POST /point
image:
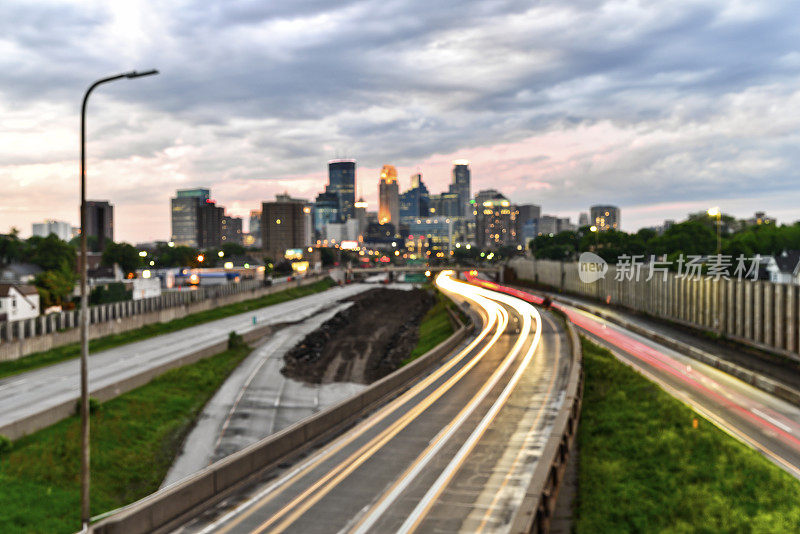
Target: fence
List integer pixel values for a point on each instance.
(758, 313)
(20, 338)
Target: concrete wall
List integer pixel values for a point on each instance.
(758, 313)
(20, 338)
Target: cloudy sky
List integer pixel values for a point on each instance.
(659, 107)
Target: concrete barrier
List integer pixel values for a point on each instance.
(539, 502)
(174, 504)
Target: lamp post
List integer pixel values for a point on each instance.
(716, 212)
(593, 229)
(84, 315)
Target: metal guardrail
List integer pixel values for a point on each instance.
(538, 506)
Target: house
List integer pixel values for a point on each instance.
(18, 301)
(19, 273)
(786, 269)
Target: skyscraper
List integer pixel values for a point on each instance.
(100, 221)
(496, 222)
(389, 196)
(415, 202)
(605, 217)
(255, 227)
(231, 230)
(461, 186)
(342, 183)
(196, 219)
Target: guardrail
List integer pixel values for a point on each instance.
(538, 505)
(174, 504)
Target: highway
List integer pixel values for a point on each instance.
(454, 452)
(34, 391)
(764, 422)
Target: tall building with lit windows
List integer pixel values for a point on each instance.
(389, 197)
(285, 224)
(605, 217)
(342, 183)
(495, 222)
(461, 187)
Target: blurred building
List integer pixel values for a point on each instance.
(100, 221)
(605, 217)
(460, 186)
(389, 197)
(547, 225)
(583, 219)
(415, 202)
(284, 225)
(496, 222)
(431, 238)
(444, 205)
(196, 219)
(342, 183)
(231, 230)
(254, 229)
(62, 230)
(360, 214)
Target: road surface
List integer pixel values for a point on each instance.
(455, 452)
(32, 392)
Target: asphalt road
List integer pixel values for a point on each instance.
(453, 453)
(766, 423)
(32, 392)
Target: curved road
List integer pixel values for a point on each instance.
(455, 452)
(764, 422)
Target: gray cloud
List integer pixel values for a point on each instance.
(255, 91)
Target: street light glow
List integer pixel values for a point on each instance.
(713, 212)
(200, 257)
(592, 228)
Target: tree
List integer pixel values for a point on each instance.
(123, 254)
(50, 253)
(55, 286)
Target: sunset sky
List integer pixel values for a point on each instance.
(661, 108)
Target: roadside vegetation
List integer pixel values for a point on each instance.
(643, 467)
(434, 328)
(135, 438)
(66, 352)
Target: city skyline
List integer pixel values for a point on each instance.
(553, 104)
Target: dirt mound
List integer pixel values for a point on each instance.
(363, 343)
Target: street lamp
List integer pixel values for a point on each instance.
(84, 316)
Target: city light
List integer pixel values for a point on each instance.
(142, 253)
(146, 273)
(171, 244)
(221, 254)
(592, 228)
(713, 212)
(200, 258)
(228, 265)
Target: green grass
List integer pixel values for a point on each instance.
(66, 352)
(135, 438)
(643, 468)
(434, 328)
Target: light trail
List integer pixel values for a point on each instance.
(491, 313)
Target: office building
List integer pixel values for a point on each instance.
(389, 197)
(342, 183)
(461, 187)
(547, 225)
(62, 230)
(583, 219)
(360, 214)
(496, 223)
(444, 205)
(100, 222)
(415, 202)
(605, 217)
(196, 219)
(326, 211)
(231, 230)
(431, 238)
(284, 225)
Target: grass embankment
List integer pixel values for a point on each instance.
(644, 468)
(134, 440)
(65, 352)
(434, 328)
